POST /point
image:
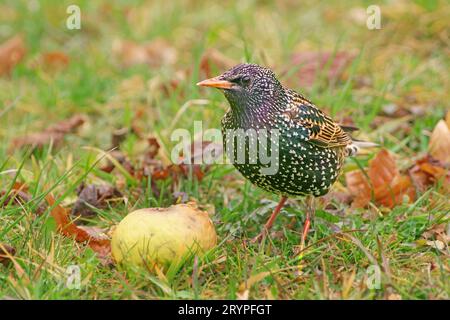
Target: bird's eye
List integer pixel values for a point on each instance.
(244, 80)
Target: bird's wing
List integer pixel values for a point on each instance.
(322, 130)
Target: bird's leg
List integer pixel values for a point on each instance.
(269, 222)
(310, 210)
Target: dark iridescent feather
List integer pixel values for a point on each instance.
(323, 130)
(312, 147)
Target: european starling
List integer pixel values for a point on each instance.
(311, 146)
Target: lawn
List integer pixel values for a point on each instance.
(130, 72)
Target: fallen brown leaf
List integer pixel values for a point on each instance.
(153, 147)
(98, 241)
(439, 146)
(393, 193)
(122, 159)
(393, 110)
(359, 187)
(197, 170)
(93, 196)
(151, 165)
(382, 169)
(55, 59)
(427, 171)
(118, 136)
(53, 133)
(11, 53)
(162, 173)
(20, 197)
(437, 232)
(158, 171)
(341, 197)
(436, 244)
(383, 184)
(177, 170)
(135, 127)
(156, 53)
(311, 63)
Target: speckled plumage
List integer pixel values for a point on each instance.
(312, 147)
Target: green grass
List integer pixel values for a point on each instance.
(406, 62)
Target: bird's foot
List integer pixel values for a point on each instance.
(269, 223)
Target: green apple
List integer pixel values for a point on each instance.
(162, 235)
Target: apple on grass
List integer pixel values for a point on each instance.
(162, 235)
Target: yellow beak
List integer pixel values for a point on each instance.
(215, 83)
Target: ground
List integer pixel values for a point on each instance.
(394, 87)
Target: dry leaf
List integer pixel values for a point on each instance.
(311, 63)
(439, 146)
(153, 147)
(93, 196)
(53, 133)
(158, 171)
(337, 196)
(436, 244)
(427, 171)
(392, 194)
(118, 136)
(55, 59)
(11, 53)
(177, 170)
(98, 241)
(155, 53)
(20, 197)
(384, 184)
(437, 232)
(135, 127)
(122, 159)
(197, 170)
(382, 169)
(359, 187)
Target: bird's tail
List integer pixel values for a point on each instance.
(356, 145)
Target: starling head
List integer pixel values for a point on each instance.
(248, 86)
